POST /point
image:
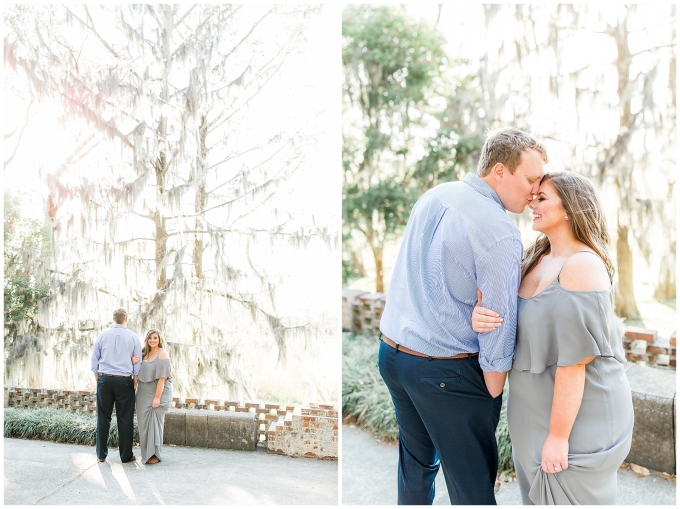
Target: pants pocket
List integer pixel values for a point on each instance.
(443, 383)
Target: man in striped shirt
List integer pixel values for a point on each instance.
(115, 364)
(446, 380)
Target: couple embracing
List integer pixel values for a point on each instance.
(547, 319)
(125, 382)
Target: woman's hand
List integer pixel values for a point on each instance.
(156, 402)
(554, 455)
(135, 359)
(484, 320)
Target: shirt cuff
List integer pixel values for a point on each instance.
(499, 365)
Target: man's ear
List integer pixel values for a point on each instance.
(498, 172)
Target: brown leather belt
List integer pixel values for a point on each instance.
(117, 376)
(401, 348)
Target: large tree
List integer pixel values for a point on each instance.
(398, 139)
(609, 114)
(179, 201)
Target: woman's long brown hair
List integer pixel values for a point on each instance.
(147, 348)
(586, 217)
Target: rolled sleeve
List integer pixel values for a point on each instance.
(96, 355)
(137, 352)
(498, 277)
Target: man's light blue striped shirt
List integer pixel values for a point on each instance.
(113, 351)
(458, 239)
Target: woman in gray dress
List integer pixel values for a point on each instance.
(570, 411)
(154, 396)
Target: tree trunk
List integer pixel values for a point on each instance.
(625, 297)
(619, 159)
(378, 256)
(161, 236)
(358, 261)
(161, 244)
(197, 257)
(665, 288)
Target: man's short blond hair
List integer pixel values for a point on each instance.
(120, 315)
(505, 146)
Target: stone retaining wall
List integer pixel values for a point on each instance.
(654, 394)
(361, 312)
(195, 421)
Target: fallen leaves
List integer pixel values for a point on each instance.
(639, 471)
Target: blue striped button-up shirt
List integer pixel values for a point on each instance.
(113, 351)
(458, 239)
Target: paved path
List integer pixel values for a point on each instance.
(369, 476)
(60, 474)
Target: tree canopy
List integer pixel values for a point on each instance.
(170, 204)
(398, 138)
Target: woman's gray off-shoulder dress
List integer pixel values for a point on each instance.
(151, 420)
(560, 327)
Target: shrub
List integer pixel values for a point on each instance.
(58, 426)
(365, 398)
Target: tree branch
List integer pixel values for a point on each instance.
(672, 45)
(179, 21)
(229, 159)
(21, 133)
(251, 191)
(134, 239)
(101, 39)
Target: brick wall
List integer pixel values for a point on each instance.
(643, 346)
(77, 401)
(308, 431)
(317, 433)
(361, 312)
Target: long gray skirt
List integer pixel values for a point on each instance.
(599, 441)
(152, 420)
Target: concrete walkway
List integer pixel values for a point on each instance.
(60, 474)
(369, 477)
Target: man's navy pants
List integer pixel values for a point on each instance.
(444, 412)
(121, 392)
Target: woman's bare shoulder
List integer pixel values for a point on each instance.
(163, 355)
(584, 272)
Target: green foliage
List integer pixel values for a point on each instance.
(387, 200)
(366, 400)
(393, 58)
(22, 295)
(350, 271)
(449, 155)
(23, 239)
(391, 62)
(58, 426)
(505, 462)
(402, 136)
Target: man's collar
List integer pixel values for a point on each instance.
(482, 187)
(119, 325)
